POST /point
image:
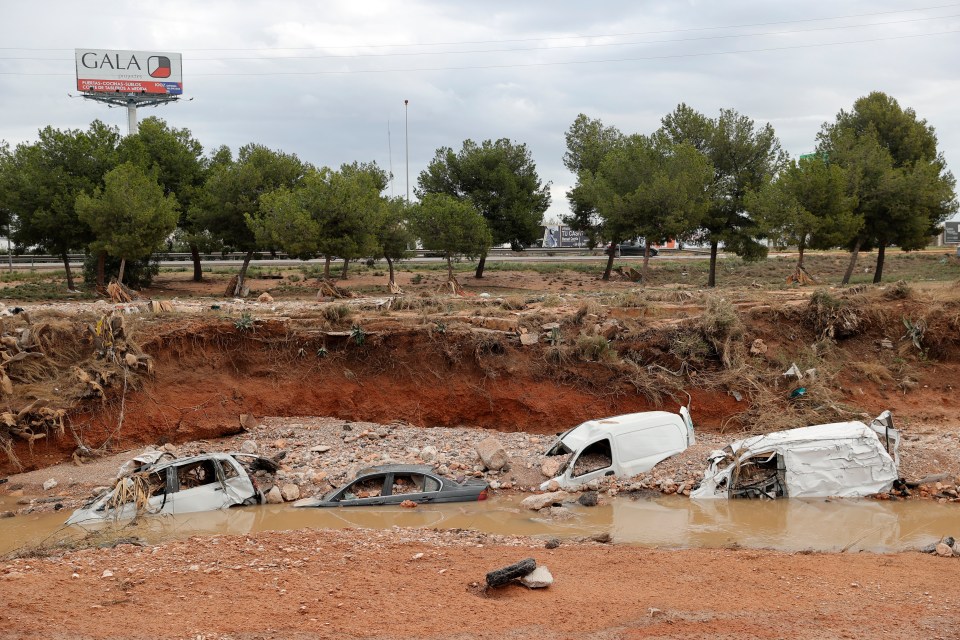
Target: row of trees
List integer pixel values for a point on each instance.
(875, 180)
(93, 191)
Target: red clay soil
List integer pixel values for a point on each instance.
(361, 584)
(207, 375)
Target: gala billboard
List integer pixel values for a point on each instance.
(111, 71)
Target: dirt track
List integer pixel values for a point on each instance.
(361, 584)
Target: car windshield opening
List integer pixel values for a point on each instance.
(593, 458)
(761, 476)
(407, 483)
(370, 487)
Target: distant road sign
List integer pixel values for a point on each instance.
(951, 232)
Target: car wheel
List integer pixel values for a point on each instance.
(502, 576)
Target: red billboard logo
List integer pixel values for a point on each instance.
(158, 66)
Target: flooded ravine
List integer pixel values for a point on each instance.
(666, 521)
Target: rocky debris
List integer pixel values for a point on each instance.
(290, 492)
(539, 578)
(758, 348)
(492, 454)
(529, 339)
(408, 504)
(550, 467)
(601, 538)
(552, 543)
(558, 513)
(542, 500)
(249, 446)
(428, 453)
(49, 484)
(265, 297)
(275, 496)
(509, 573)
(588, 499)
(947, 547)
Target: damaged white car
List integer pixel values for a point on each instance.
(843, 459)
(150, 485)
(620, 446)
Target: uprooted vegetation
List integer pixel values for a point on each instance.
(51, 365)
(530, 363)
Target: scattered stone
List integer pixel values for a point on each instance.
(428, 453)
(588, 498)
(408, 504)
(320, 449)
(550, 326)
(249, 446)
(550, 468)
(7, 514)
(558, 513)
(290, 492)
(248, 422)
(502, 576)
(886, 343)
(944, 550)
(528, 339)
(265, 297)
(49, 484)
(552, 543)
(539, 578)
(106, 573)
(492, 454)
(758, 348)
(602, 538)
(275, 496)
(542, 500)
(653, 612)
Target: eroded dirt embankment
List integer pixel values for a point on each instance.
(445, 371)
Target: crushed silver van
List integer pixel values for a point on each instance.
(620, 446)
(842, 459)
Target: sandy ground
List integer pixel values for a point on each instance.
(416, 584)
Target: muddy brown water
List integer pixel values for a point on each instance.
(666, 521)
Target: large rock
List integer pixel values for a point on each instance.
(528, 339)
(550, 468)
(249, 446)
(428, 453)
(290, 492)
(541, 500)
(275, 496)
(492, 454)
(539, 578)
(944, 550)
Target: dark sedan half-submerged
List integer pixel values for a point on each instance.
(393, 484)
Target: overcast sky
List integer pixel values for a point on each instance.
(328, 80)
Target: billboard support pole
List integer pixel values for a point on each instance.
(131, 101)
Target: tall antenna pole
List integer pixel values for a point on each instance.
(406, 135)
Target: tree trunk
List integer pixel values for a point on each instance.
(326, 267)
(450, 268)
(197, 269)
(242, 276)
(712, 278)
(800, 248)
(646, 260)
(878, 273)
(123, 266)
(480, 266)
(611, 252)
(343, 274)
(101, 267)
(853, 262)
(390, 267)
(66, 268)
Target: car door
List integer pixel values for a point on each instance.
(416, 487)
(366, 490)
(199, 487)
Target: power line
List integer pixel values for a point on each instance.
(542, 64)
(544, 39)
(549, 48)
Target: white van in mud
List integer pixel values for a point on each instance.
(620, 446)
